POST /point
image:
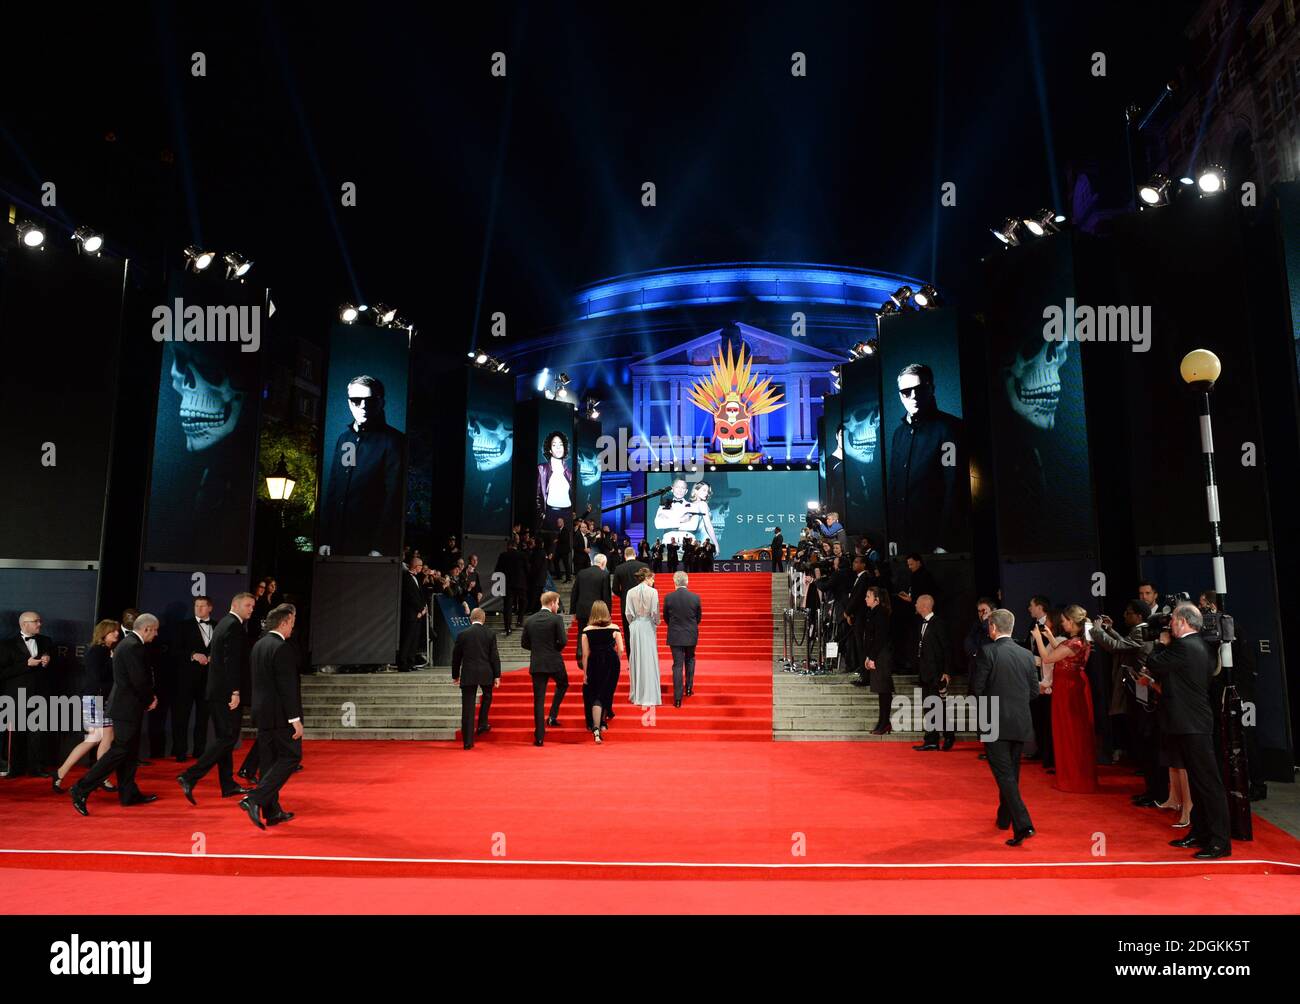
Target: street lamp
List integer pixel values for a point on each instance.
(1200, 370)
(279, 486)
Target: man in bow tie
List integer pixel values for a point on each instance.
(190, 652)
(24, 665)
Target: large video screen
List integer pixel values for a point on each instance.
(59, 318)
(737, 511)
(363, 483)
(489, 452)
(552, 485)
(205, 433)
(927, 479)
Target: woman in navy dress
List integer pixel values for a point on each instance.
(602, 645)
(97, 681)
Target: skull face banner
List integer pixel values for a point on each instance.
(734, 396)
(1033, 382)
(210, 404)
(489, 452)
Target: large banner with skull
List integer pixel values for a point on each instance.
(205, 431)
(927, 481)
(859, 439)
(489, 452)
(1040, 435)
(363, 483)
(830, 454)
(586, 432)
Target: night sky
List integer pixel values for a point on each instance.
(478, 194)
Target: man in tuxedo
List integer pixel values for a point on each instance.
(512, 566)
(1042, 706)
(933, 655)
(778, 551)
(132, 695)
(475, 665)
(625, 578)
(564, 549)
(670, 552)
(277, 713)
(226, 692)
(414, 610)
(544, 638)
(1005, 673)
(1183, 665)
(855, 616)
(190, 657)
(581, 544)
(24, 665)
(590, 585)
(682, 612)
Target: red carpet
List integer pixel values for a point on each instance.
(721, 818)
(733, 674)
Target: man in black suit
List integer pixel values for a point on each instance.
(564, 549)
(132, 695)
(670, 552)
(544, 638)
(682, 612)
(190, 657)
(933, 655)
(590, 585)
(226, 693)
(414, 610)
(581, 543)
(24, 665)
(625, 578)
(778, 551)
(475, 665)
(514, 569)
(920, 581)
(1042, 707)
(855, 616)
(277, 713)
(1183, 666)
(1005, 673)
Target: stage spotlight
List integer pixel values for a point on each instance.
(807, 467)
(502, 368)
(1212, 179)
(481, 358)
(384, 314)
(550, 395)
(30, 235)
(869, 349)
(198, 259)
(1009, 232)
(237, 265)
(887, 309)
(348, 314)
(591, 408)
(563, 380)
(769, 467)
(1156, 191)
(88, 242)
(1041, 223)
(1186, 180)
(713, 467)
(814, 504)
(1059, 218)
(927, 297)
(749, 467)
(901, 296)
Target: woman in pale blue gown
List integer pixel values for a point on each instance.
(643, 647)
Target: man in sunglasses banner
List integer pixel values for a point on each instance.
(929, 480)
(363, 486)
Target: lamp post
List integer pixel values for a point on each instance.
(279, 486)
(1200, 369)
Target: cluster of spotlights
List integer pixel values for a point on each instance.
(1160, 190)
(558, 389)
(925, 298)
(486, 362)
(381, 316)
(1040, 224)
(32, 235)
(199, 259)
(591, 408)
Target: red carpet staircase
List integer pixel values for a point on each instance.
(733, 676)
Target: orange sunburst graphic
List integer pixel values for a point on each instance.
(731, 378)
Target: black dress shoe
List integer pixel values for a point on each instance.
(926, 746)
(690, 692)
(1212, 852)
(78, 801)
(251, 809)
(142, 799)
(553, 722)
(279, 817)
(469, 746)
(537, 742)
(948, 743)
(1016, 839)
(237, 791)
(481, 729)
(1187, 842)
(187, 787)
(677, 703)
(609, 717)
(882, 732)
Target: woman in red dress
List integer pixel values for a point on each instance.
(1064, 678)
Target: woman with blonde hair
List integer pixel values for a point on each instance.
(602, 645)
(97, 682)
(1064, 662)
(642, 604)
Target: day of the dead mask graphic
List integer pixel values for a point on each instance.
(588, 468)
(491, 440)
(210, 403)
(734, 396)
(862, 433)
(1033, 382)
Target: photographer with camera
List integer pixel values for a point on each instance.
(830, 528)
(1138, 736)
(1182, 665)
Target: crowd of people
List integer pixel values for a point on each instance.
(133, 681)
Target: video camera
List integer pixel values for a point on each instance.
(1217, 628)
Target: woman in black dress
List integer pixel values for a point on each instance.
(602, 645)
(879, 650)
(96, 682)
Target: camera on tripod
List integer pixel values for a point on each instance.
(1216, 629)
